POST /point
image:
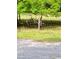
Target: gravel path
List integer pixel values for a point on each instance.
(27, 49)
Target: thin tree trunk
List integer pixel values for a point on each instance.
(19, 16)
(39, 23)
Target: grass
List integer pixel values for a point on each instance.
(47, 34)
(27, 16)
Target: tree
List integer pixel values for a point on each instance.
(20, 7)
(41, 7)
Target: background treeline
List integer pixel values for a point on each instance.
(38, 7)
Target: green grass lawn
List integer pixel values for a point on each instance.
(47, 34)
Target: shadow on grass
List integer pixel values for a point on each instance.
(34, 23)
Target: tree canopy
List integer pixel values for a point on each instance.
(43, 7)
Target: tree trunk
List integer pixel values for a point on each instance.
(39, 23)
(19, 16)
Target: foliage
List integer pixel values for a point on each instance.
(43, 7)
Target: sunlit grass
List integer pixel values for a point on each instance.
(26, 16)
(48, 35)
